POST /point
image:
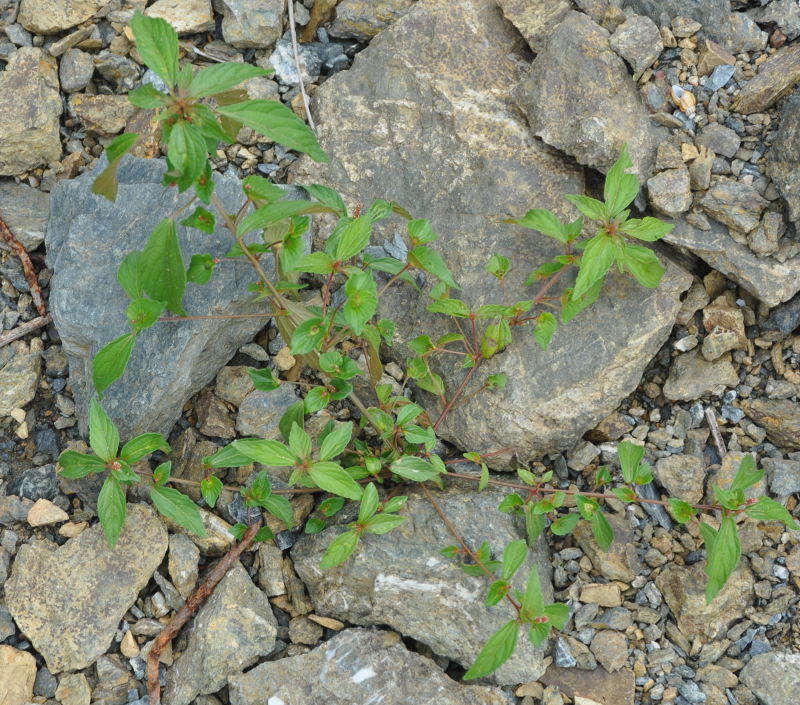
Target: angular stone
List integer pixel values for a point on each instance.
(717, 343)
(233, 384)
(775, 78)
(719, 139)
(17, 674)
(260, 412)
(638, 41)
(669, 191)
(773, 677)
(119, 70)
(252, 23)
(44, 512)
(782, 156)
(52, 16)
(87, 238)
(364, 19)
(74, 689)
(714, 16)
(557, 394)
(784, 475)
(576, 68)
(610, 649)
(735, 204)
(700, 170)
(684, 590)
(535, 20)
(105, 114)
(24, 210)
(186, 16)
(600, 685)
(621, 561)
(784, 14)
(30, 106)
(691, 376)
(183, 564)
(19, 378)
(354, 667)
(270, 574)
(779, 417)
(213, 418)
(231, 631)
(75, 70)
(603, 594)
(746, 35)
(711, 56)
(681, 476)
(764, 240)
(68, 600)
(401, 580)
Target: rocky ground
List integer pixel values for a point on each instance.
(459, 116)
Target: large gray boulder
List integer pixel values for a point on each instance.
(714, 15)
(451, 145)
(782, 157)
(400, 579)
(87, 237)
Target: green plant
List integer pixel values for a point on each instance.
(345, 460)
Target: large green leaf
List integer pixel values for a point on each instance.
(649, 229)
(336, 441)
(161, 267)
(277, 211)
(544, 221)
(496, 651)
(332, 478)
(110, 362)
(137, 448)
(106, 183)
(514, 556)
(266, 452)
(340, 549)
(278, 123)
(723, 557)
(598, 256)
(111, 509)
(768, 509)
(157, 43)
(602, 530)
(643, 264)
(187, 154)
(362, 300)
(747, 475)
(414, 468)
(103, 434)
(178, 507)
(630, 455)
(353, 238)
(222, 77)
(75, 464)
(620, 187)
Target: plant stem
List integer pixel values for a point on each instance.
(457, 394)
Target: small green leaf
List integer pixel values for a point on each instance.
(598, 256)
(534, 524)
(110, 362)
(565, 524)
(263, 534)
(648, 229)
(336, 441)
(544, 221)
(383, 523)
(128, 275)
(211, 489)
(768, 509)
(369, 503)
(161, 267)
(75, 465)
(496, 651)
(497, 591)
(590, 207)
(103, 434)
(414, 468)
(141, 446)
(538, 633)
(299, 442)
(106, 183)
(543, 271)
(292, 416)
(362, 300)
(682, 511)
(162, 472)
(420, 231)
(558, 614)
(327, 196)
(630, 455)
(431, 261)
(222, 77)
(264, 380)
(643, 264)
(147, 96)
(353, 238)
(545, 329)
(279, 507)
(308, 336)
(624, 494)
(532, 601)
(201, 219)
(111, 509)
(332, 478)
(315, 263)
(256, 187)
(265, 451)
(143, 313)
(272, 213)
(747, 475)
(395, 504)
(484, 481)
(314, 525)
(449, 307)
(331, 505)
(574, 305)
(620, 187)
(238, 531)
(498, 266)
(603, 533)
(227, 457)
(723, 557)
(157, 43)
(178, 507)
(514, 556)
(186, 154)
(340, 549)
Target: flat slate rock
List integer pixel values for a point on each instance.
(400, 579)
(773, 677)
(68, 600)
(24, 210)
(87, 238)
(782, 157)
(357, 666)
(452, 146)
(713, 15)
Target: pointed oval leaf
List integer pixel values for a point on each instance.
(496, 651)
(340, 549)
(110, 362)
(111, 509)
(103, 433)
(177, 506)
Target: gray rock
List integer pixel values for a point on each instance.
(670, 192)
(119, 70)
(18, 35)
(719, 139)
(736, 204)
(638, 41)
(363, 19)
(13, 509)
(656, 511)
(68, 600)
(776, 77)
(87, 238)
(717, 343)
(682, 476)
(621, 561)
(183, 563)
(577, 68)
(35, 483)
(746, 35)
(765, 239)
(556, 395)
(75, 70)
(684, 591)
(30, 106)
(104, 114)
(252, 23)
(52, 16)
(691, 376)
(282, 59)
(260, 412)
(357, 666)
(186, 16)
(774, 677)
(19, 378)
(784, 475)
(611, 649)
(231, 631)
(785, 317)
(713, 15)
(784, 14)
(45, 684)
(401, 580)
(779, 417)
(24, 210)
(535, 20)
(719, 77)
(782, 156)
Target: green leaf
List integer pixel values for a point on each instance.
(205, 184)
(383, 523)
(263, 534)
(338, 365)
(514, 556)
(256, 187)
(395, 504)
(590, 207)
(161, 267)
(186, 155)
(545, 329)
(565, 524)
(353, 238)
(362, 300)
(496, 651)
(413, 468)
(316, 399)
(75, 465)
(264, 380)
(682, 511)
(598, 256)
(484, 481)
(265, 451)
(332, 478)
(111, 509)
(227, 457)
(449, 307)
(315, 263)
(620, 187)
(147, 96)
(558, 614)
(128, 275)
(538, 633)
(307, 336)
(331, 505)
(336, 441)
(141, 446)
(543, 271)
(768, 509)
(431, 261)
(103, 434)
(222, 77)
(106, 183)
(532, 601)
(369, 503)
(204, 220)
(544, 221)
(110, 362)
(178, 507)
(723, 557)
(293, 415)
(624, 494)
(143, 313)
(211, 489)
(709, 534)
(497, 591)
(157, 43)
(278, 123)
(630, 455)
(162, 472)
(491, 311)
(279, 506)
(274, 212)
(420, 231)
(747, 475)
(327, 196)
(643, 263)
(299, 442)
(238, 531)
(649, 229)
(644, 474)
(534, 524)
(603, 533)
(575, 305)
(340, 549)
(314, 525)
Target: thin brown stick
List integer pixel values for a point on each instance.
(24, 329)
(715, 434)
(196, 599)
(27, 267)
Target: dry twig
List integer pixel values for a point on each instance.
(27, 267)
(290, 5)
